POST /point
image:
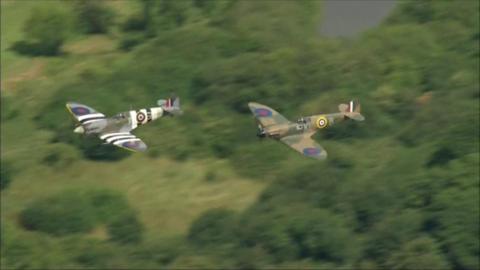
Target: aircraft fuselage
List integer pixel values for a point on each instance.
(303, 125)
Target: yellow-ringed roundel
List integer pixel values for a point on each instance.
(321, 121)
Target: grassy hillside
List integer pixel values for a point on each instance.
(399, 190)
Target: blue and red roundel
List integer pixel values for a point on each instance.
(131, 144)
(311, 151)
(80, 110)
(262, 112)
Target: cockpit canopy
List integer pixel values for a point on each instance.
(119, 116)
(302, 121)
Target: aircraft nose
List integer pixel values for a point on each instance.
(261, 132)
(79, 129)
(261, 135)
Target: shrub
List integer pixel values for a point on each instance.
(108, 204)
(126, 229)
(60, 156)
(77, 212)
(5, 175)
(210, 176)
(441, 157)
(91, 253)
(162, 251)
(45, 31)
(222, 149)
(213, 227)
(94, 17)
(391, 232)
(131, 40)
(322, 236)
(455, 215)
(420, 253)
(8, 109)
(134, 23)
(62, 214)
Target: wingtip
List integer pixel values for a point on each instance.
(323, 155)
(67, 105)
(254, 105)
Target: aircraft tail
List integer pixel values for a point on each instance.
(171, 105)
(351, 110)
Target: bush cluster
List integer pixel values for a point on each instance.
(80, 211)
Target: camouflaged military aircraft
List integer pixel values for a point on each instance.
(116, 130)
(297, 134)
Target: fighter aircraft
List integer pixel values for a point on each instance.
(298, 134)
(116, 130)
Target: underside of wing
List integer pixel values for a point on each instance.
(83, 113)
(266, 115)
(124, 140)
(305, 145)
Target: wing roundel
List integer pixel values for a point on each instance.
(83, 113)
(305, 145)
(266, 115)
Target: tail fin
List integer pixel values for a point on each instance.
(171, 105)
(351, 110)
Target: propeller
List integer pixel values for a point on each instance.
(261, 132)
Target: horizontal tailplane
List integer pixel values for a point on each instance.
(171, 105)
(351, 110)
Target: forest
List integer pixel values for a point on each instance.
(398, 191)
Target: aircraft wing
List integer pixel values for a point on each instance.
(124, 140)
(305, 145)
(266, 115)
(83, 113)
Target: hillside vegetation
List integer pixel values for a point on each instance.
(398, 191)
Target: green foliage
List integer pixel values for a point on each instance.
(109, 205)
(93, 254)
(63, 214)
(323, 236)
(45, 32)
(421, 253)
(60, 156)
(134, 23)
(455, 221)
(206, 6)
(211, 176)
(161, 251)
(80, 211)
(5, 175)
(24, 250)
(8, 109)
(125, 229)
(93, 17)
(303, 185)
(130, 41)
(172, 14)
(214, 227)
(288, 234)
(441, 157)
(393, 231)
